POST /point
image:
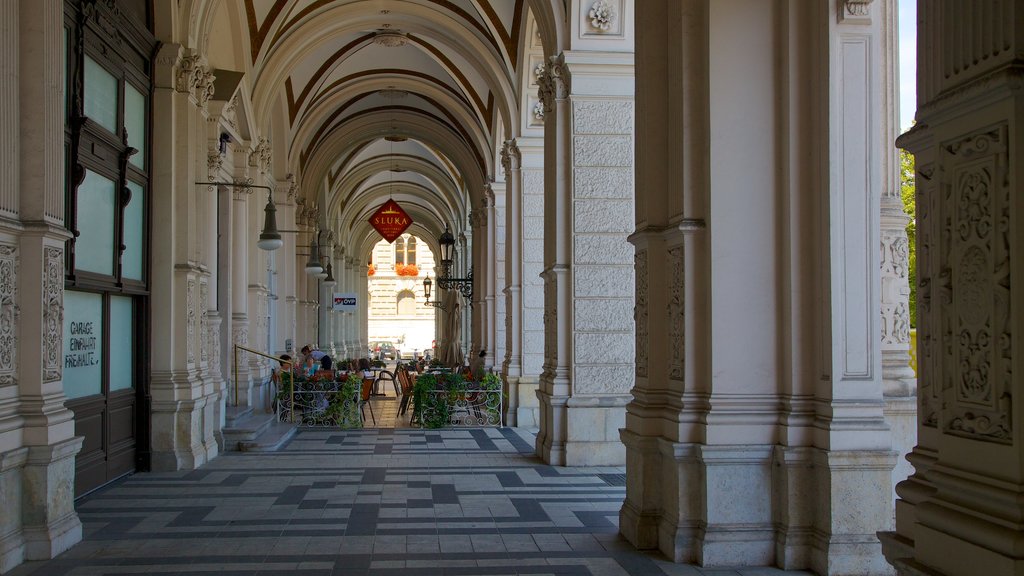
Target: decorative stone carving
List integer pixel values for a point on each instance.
(214, 339)
(190, 321)
(640, 312)
(53, 312)
(975, 270)
(195, 77)
(554, 84)
(293, 187)
(390, 39)
(857, 8)
(676, 314)
(214, 164)
(240, 337)
(602, 15)
(243, 192)
(538, 112)
(538, 71)
(230, 112)
(895, 315)
(511, 158)
(204, 334)
(9, 313)
(260, 156)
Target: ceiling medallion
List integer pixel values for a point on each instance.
(390, 39)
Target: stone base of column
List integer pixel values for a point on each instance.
(640, 514)
(184, 432)
(901, 417)
(51, 524)
(12, 540)
(853, 501)
(582, 430)
(526, 410)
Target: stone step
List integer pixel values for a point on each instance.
(234, 414)
(276, 435)
(247, 429)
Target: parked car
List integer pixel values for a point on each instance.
(383, 350)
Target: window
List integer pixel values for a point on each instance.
(406, 303)
(405, 250)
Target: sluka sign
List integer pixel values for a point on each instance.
(390, 220)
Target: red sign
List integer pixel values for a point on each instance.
(390, 220)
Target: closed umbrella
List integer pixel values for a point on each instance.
(453, 354)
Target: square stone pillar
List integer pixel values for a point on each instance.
(184, 405)
(588, 271)
(962, 511)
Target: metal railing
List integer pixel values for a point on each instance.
(238, 347)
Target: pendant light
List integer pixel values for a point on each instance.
(270, 237)
(313, 266)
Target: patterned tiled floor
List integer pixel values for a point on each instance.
(379, 502)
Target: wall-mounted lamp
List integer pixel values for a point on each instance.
(427, 284)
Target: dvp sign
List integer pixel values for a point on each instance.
(345, 302)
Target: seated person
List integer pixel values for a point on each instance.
(364, 366)
(290, 367)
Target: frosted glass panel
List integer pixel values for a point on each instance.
(131, 260)
(135, 124)
(83, 344)
(94, 248)
(100, 95)
(122, 332)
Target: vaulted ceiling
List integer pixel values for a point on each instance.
(374, 98)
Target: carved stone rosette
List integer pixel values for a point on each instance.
(640, 312)
(9, 313)
(53, 312)
(602, 15)
(975, 272)
(676, 313)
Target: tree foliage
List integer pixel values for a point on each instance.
(907, 191)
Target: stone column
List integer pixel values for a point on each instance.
(512, 365)
(899, 383)
(961, 512)
(588, 288)
(241, 388)
(360, 320)
(756, 435)
(183, 404)
(496, 302)
(481, 263)
(37, 470)
(531, 248)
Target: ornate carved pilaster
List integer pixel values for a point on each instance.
(53, 312)
(9, 314)
(640, 312)
(977, 328)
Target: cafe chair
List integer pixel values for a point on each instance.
(364, 399)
